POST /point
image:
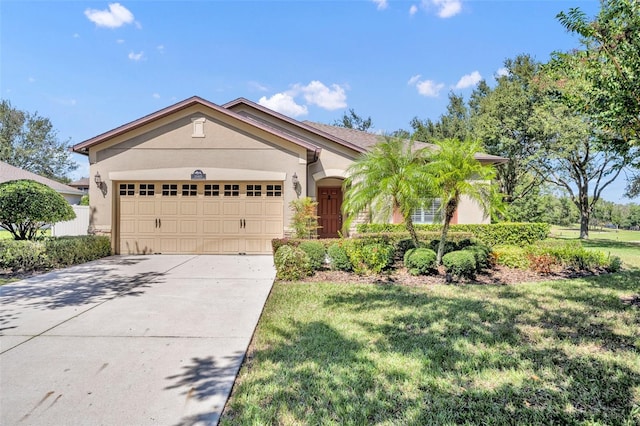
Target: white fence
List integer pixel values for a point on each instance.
(77, 226)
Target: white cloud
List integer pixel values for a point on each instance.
(160, 48)
(254, 85)
(413, 10)
(469, 80)
(115, 17)
(447, 8)
(413, 80)
(428, 88)
(31, 80)
(502, 72)
(382, 4)
(285, 104)
(76, 35)
(156, 96)
(136, 56)
(120, 41)
(316, 93)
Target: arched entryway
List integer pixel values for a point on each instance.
(329, 197)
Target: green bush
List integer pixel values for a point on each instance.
(292, 263)
(338, 257)
(449, 246)
(367, 257)
(615, 264)
(316, 252)
(511, 256)
(490, 234)
(66, 251)
(481, 254)
(460, 264)
(405, 244)
(420, 261)
(22, 255)
(571, 254)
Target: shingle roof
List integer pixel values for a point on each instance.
(9, 172)
(83, 182)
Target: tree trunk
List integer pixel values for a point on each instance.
(584, 224)
(448, 215)
(412, 230)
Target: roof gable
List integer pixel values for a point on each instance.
(9, 172)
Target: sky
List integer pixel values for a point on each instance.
(92, 66)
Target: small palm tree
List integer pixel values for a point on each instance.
(391, 177)
(457, 173)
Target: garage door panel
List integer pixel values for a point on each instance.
(211, 246)
(253, 208)
(254, 245)
(253, 226)
(127, 207)
(188, 226)
(146, 226)
(230, 245)
(169, 207)
(189, 245)
(211, 227)
(211, 208)
(169, 245)
(169, 226)
(137, 246)
(231, 226)
(146, 207)
(188, 208)
(272, 208)
(231, 208)
(273, 227)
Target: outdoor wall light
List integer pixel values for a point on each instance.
(296, 184)
(98, 180)
(100, 184)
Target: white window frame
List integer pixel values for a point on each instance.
(428, 213)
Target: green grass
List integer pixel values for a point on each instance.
(564, 352)
(560, 352)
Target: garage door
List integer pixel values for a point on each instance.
(202, 217)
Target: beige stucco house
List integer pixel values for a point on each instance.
(197, 177)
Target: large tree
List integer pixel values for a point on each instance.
(454, 124)
(30, 142)
(389, 178)
(351, 120)
(610, 62)
(501, 119)
(454, 173)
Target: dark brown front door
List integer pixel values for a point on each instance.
(330, 217)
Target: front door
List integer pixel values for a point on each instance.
(330, 217)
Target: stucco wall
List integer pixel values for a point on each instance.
(469, 211)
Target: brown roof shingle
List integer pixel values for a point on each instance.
(9, 172)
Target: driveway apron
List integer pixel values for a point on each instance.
(129, 340)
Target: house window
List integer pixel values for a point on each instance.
(169, 189)
(231, 190)
(127, 189)
(212, 190)
(198, 127)
(254, 190)
(189, 190)
(147, 189)
(274, 190)
(429, 213)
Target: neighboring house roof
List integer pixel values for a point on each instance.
(80, 183)
(9, 172)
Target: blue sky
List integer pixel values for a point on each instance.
(92, 66)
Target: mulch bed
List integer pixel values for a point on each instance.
(499, 275)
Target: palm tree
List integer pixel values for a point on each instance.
(457, 173)
(391, 177)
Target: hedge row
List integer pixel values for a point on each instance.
(27, 256)
(489, 234)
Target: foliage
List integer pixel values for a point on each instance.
(316, 252)
(84, 201)
(390, 177)
(489, 234)
(29, 142)
(338, 257)
(27, 256)
(292, 263)
(26, 206)
(615, 264)
(455, 173)
(351, 120)
(501, 118)
(420, 261)
(449, 246)
(404, 245)
(461, 264)
(542, 263)
(480, 253)
(367, 257)
(304, 220)
(511, 256)
(452, 125)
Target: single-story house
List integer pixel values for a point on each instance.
(9, 172)
(81, 184)
(197, 177)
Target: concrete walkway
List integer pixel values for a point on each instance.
(132, 340)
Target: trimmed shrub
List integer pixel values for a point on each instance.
(571, 254)
(316, 252)
(615, 264)
(404, 245)
(449, 246)
(370, 257)
(22, 255)
(511, 256)
(292, 263)
(481, 254)
(338, 257)
(490, 234)
(420, 261)
(542, 263)
(66, 251)
(460, 263)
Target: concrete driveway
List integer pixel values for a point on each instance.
(129, 340)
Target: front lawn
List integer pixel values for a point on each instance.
(538, 353)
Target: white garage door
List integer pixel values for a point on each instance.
(199, 217)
